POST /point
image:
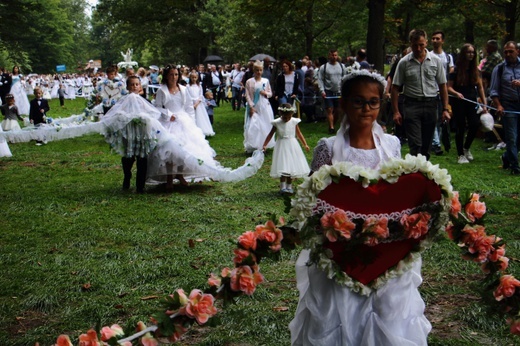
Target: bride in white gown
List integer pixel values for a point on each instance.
(331, 314)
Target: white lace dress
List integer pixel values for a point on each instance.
(329, 314)
(288, 157)
(257, 126)
(201, 115)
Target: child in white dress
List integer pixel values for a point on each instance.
(11, 114)
(289, 162)
(201, 115)
(4, 147)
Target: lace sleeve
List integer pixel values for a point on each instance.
(322, 154)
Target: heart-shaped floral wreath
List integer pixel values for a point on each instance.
(363, 226)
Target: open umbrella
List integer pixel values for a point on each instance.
(213, 58)
(261, 57)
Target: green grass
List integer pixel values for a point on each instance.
(66, 222)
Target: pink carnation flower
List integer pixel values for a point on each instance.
(506, 288)
(456, 207)
(241, 255)
(108, 333)
(337, 221)
(415, 225)
(376, 229)
(475, 209)
(248, 240)
(270, 234)
(245, 280)
(63, 340)
(214, 280)
(200, 306)
(89, 339)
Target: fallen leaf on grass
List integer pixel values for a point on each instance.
(118, 306)
(121, 295)
(191, 243)
(149, 297)
(86, 287)
(281, 308)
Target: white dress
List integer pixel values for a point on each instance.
(4, 147)
(258, 126)
(186, 133)
(54, 90)
(20, 97)
(201, 115)
(288, 157)
(329, 314)
(70, 91)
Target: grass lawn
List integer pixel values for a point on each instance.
(77, 252)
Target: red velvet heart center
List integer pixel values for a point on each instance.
(366, 263)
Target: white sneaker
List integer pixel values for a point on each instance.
(468, 155)
(501, 145)
(289, 190)
(462, 159)
(38, 144)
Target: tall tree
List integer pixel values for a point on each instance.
(375, 33)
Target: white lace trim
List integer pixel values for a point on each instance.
(323, 207)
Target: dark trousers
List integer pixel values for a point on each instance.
(62, 101)
(236, 99)
(140, 179)
(420, 118)
(465, 117)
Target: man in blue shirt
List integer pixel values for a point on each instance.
(505, 93)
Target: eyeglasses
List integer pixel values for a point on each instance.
(359, 103)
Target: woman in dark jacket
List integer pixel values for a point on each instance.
(287, 84)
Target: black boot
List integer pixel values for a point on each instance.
(127, 163)
(140, 179)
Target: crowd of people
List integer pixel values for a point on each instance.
(174, 105)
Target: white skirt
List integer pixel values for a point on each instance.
(10, 125)
(332, 315)
(202, 120)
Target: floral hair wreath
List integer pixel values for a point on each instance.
(286, 110)
(357, 73)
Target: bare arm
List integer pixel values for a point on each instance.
(268, 138)
(398, 119)
(301, 138)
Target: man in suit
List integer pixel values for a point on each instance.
(38, 109)
(214, 80)
(5, 84)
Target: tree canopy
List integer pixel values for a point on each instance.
(40, 34)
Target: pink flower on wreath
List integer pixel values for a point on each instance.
(270, 234)
(248, 240)
(245, 280)
(214, 280)
(108, 333)
(472, 233)
(514, 326)
(497, 252)
(376, 229)
(506, 288)
(337, 221)
(200, 306)
(63, 340)
(503, 263)
(456, 207)
(225, 272)
(183, 298)
(241, 255)
(475, 209)
(415, 225)
(482, 248)
(89, 339)
(147, 339)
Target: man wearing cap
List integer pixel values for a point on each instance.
(422, 75)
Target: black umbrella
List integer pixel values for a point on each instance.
(213, 58)
(261, 57)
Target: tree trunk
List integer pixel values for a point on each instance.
(375, 34)
(309, 36)
(511, 8)
(469, 28)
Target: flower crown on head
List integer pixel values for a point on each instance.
(356, 73)
(285, 109)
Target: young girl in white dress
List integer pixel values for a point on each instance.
(289, 162)
(11, 114)
(201, 115)
(329, 313)
(18, 91)
(4, 147)
(259, 113)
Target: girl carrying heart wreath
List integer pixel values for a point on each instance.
(364, 216)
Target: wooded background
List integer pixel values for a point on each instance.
(40, 34)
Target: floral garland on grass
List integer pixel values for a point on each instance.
(466, 228)
(317, 227)
(180, 311)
